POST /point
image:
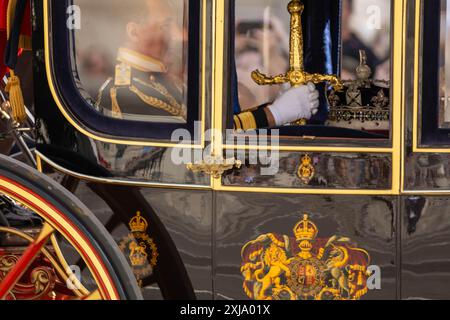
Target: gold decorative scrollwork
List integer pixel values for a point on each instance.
(42, 279)
(7, 263)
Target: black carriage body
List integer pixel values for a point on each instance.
(382, 194)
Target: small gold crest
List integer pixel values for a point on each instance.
(303, 267)
(141, 250)
(306, 170)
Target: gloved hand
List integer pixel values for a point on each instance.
(297, 103)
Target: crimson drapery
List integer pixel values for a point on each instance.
(25, 29)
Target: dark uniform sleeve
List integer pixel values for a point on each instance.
(249, 120)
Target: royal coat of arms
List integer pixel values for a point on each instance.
(304, 267)
(141, 250)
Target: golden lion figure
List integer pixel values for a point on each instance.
(276, 262)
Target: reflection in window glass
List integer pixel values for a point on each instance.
(366, 26)
(131, 58)
(262, 43)
(444, 73)
(365, 105)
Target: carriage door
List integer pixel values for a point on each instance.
(309, 210)
(124, 110)
(425, 183)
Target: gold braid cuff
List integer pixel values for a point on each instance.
(245, 121)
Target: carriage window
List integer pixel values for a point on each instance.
(131, 58)
(444, 72)
(434, 85)
(351, 40)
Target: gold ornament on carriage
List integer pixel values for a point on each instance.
(141, 250)
(304, 267)
(296, 74)
(306, 170)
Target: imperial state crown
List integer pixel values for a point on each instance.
(364, 104)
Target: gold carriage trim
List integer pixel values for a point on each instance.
(304, 267)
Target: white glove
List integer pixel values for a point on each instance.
(297, 103)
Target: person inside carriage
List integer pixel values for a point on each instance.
(150, 72)
(145, 82)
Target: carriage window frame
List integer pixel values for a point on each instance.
(427, 133)
(298, 142)
(79, 112)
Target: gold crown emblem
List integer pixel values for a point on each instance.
(306, 160)
(138, 224)
(305, 229)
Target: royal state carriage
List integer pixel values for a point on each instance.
(155, 122)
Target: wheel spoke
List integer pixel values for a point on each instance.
(25, 261)
(81, 290)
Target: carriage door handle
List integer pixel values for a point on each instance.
(214, 166)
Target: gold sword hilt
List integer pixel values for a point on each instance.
(296, 76)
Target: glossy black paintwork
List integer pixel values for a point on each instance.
(428, 171)
(332, 171)
(209, 240)
(180, 223)
(241, 217)
(426, 248)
